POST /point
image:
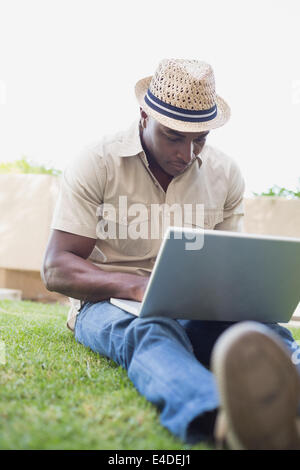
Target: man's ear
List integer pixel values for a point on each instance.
(144, 117)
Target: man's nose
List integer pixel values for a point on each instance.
(186, 151)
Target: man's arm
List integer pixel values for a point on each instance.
(234, 223)
(233, 213)
(66, 270)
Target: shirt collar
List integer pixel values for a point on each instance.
(131, 144)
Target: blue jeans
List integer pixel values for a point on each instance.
(167, 360)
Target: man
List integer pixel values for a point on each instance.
(164, 160)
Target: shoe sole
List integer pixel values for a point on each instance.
(259, 388)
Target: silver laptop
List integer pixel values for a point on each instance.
(215, 275)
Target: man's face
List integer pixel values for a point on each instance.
(172, 150)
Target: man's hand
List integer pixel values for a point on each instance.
(140, 288)
(67, 270)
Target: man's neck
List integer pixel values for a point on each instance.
(153, 165)
(162, 177)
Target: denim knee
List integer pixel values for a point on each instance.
(145, 332)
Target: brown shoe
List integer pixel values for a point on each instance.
(259, 389)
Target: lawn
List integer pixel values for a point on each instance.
(57, 394)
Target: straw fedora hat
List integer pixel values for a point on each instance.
(181, 95)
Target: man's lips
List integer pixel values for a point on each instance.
(179, 165)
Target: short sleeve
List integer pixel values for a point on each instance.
(233, 211)
(81, 194)
(236, 188)
(234, 223)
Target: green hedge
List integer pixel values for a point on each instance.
(25, 166)
(281, 192)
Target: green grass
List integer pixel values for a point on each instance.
(57, 394)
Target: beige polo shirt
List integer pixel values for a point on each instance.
(117, 166)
